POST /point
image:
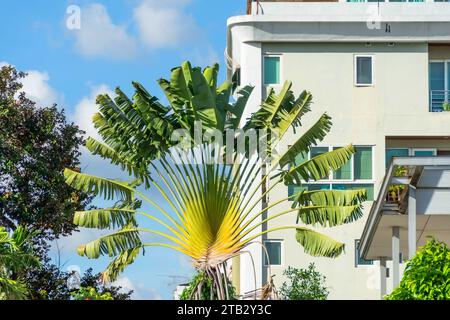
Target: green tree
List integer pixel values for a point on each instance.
(90, 293)
(427, 275)
(304, 284)
(36, 145)
(51, 283)
(16, 255)
(213, 206)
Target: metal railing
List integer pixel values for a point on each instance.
(439, 100)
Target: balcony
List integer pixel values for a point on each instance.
(439, 100)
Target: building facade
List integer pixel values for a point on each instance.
(381, 70)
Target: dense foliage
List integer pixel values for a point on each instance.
(37, 144)
(51, 283)
(304, 284)
(89, 293)
(16, 255)
(206, 293)
(427, 275)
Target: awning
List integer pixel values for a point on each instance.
(423, 182)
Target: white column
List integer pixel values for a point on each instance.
(383, 273)
(395, 256)
(412, 217)
(251, 74)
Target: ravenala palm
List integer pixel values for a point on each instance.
(213, 209)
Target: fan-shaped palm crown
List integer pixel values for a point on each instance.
(214, 209)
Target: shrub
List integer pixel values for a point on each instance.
(304, 284)
(90, 293)
(206, 288)
(427, 275)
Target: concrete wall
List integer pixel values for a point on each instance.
(317, 44)
(396, 105)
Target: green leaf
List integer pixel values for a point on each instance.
(237, 110)
(268, 115)
(105, 218)
(106, 152)
(111, 245)
(318, 167)
(99, 186)
(330, 207)
(12, 289)
(330, 216)
(317, 244)
(291, 116)
(332, 197)
(116, 267)
(311, 137)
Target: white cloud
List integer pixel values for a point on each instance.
(164, 24)
(87, 107)
(140, 292)
(159, 24)
(126, 285)
(37, 88)
(82, 116)
(204, 56)
(100, 37)
(68, 245)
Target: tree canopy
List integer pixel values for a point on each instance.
(427, 275)
(37, 143)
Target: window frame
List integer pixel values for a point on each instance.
(399, 148)
(355, 67)
(352, 168)
(446, 63)
(281, 241)
(272, 55)
(413, 150)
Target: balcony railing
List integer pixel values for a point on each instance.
(439, 100)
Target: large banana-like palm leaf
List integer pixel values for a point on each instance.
(15, 256)
(214, 210)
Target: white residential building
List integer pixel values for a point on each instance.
(381, 70)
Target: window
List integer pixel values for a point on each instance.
(399, 152)
(236, 78)
(439, 83)
(358, 260)
(274, 248)
(344, 172)
(271, 70)
(317, 151)
(357, 173)
(363, 163)
(407, 152)
(424, 152)
(363, 70)
(444, 153)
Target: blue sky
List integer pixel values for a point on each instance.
(118, 42)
